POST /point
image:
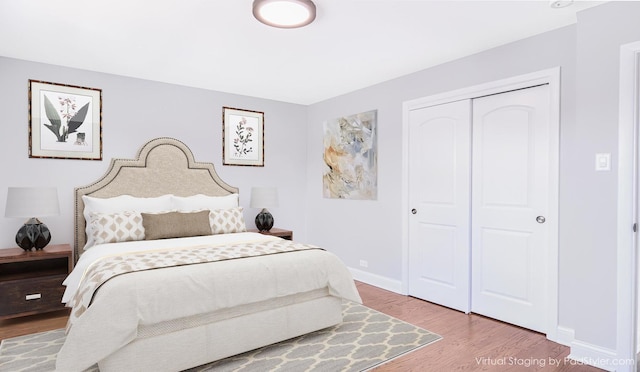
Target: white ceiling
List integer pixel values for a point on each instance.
(218, 45)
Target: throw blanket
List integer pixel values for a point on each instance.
(111, 266)
(115, 312)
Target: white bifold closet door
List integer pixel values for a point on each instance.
(479, 237)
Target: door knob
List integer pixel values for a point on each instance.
(414, 211)
(540, 219)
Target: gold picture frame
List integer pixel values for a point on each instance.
(242, 137)
(65, 121)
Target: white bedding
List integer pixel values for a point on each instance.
(109, 249)
(128, 303)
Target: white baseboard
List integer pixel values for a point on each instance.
(377, 280)
(564, 336)
(597, 356)
(583, 353)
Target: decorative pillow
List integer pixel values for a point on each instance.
(114, 228)
(121, 204)
(226, 221)
(203, 202)
(175, 225)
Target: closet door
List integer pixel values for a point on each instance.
(509, 203)
(439, 190)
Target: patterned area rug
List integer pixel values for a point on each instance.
(365, 339)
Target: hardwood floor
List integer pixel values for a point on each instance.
(33, 324)
(469, 343)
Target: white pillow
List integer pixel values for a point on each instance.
(202, 202)
(120, 204)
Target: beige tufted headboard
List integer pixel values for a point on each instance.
(162, 166)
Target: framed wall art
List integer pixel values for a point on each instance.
(65, 121)
(242, 137)
(351, 157)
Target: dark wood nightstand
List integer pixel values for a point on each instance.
(31, 282)
(284, 234)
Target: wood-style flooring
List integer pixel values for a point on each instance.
(33, 324)
(470, 342)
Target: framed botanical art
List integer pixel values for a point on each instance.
(65, 121)
(242, 137)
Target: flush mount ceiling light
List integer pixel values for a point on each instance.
(284, 13)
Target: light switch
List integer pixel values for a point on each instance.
(603, 162)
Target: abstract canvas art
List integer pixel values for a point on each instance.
(350, 157)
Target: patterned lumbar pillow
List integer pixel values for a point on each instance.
(115, 228)
(226, 221)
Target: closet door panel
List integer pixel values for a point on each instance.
(439, 189)
(510, 190)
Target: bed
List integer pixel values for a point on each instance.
(156, 284)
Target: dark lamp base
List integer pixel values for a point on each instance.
(264, 220)
(33, 234)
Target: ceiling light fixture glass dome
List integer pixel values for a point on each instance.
(284, 13)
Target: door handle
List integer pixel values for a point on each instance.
(540, 219)
(414, 211)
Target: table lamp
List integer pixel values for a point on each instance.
(32, 202)
(264, 197)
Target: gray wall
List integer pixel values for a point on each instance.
(588, 54)
(590, 197)
(135, 111)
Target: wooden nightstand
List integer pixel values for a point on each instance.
(31, 282)
(284, 234)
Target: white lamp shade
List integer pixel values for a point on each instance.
(27, 202)
(264, 197)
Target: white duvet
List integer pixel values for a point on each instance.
(110, 249)
(135, 300)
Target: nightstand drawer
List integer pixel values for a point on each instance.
(31, 295)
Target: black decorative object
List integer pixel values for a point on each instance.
(264, 197)
(33, 234)
(264, 220)
(28, 202)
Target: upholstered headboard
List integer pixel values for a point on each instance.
(162, 166)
